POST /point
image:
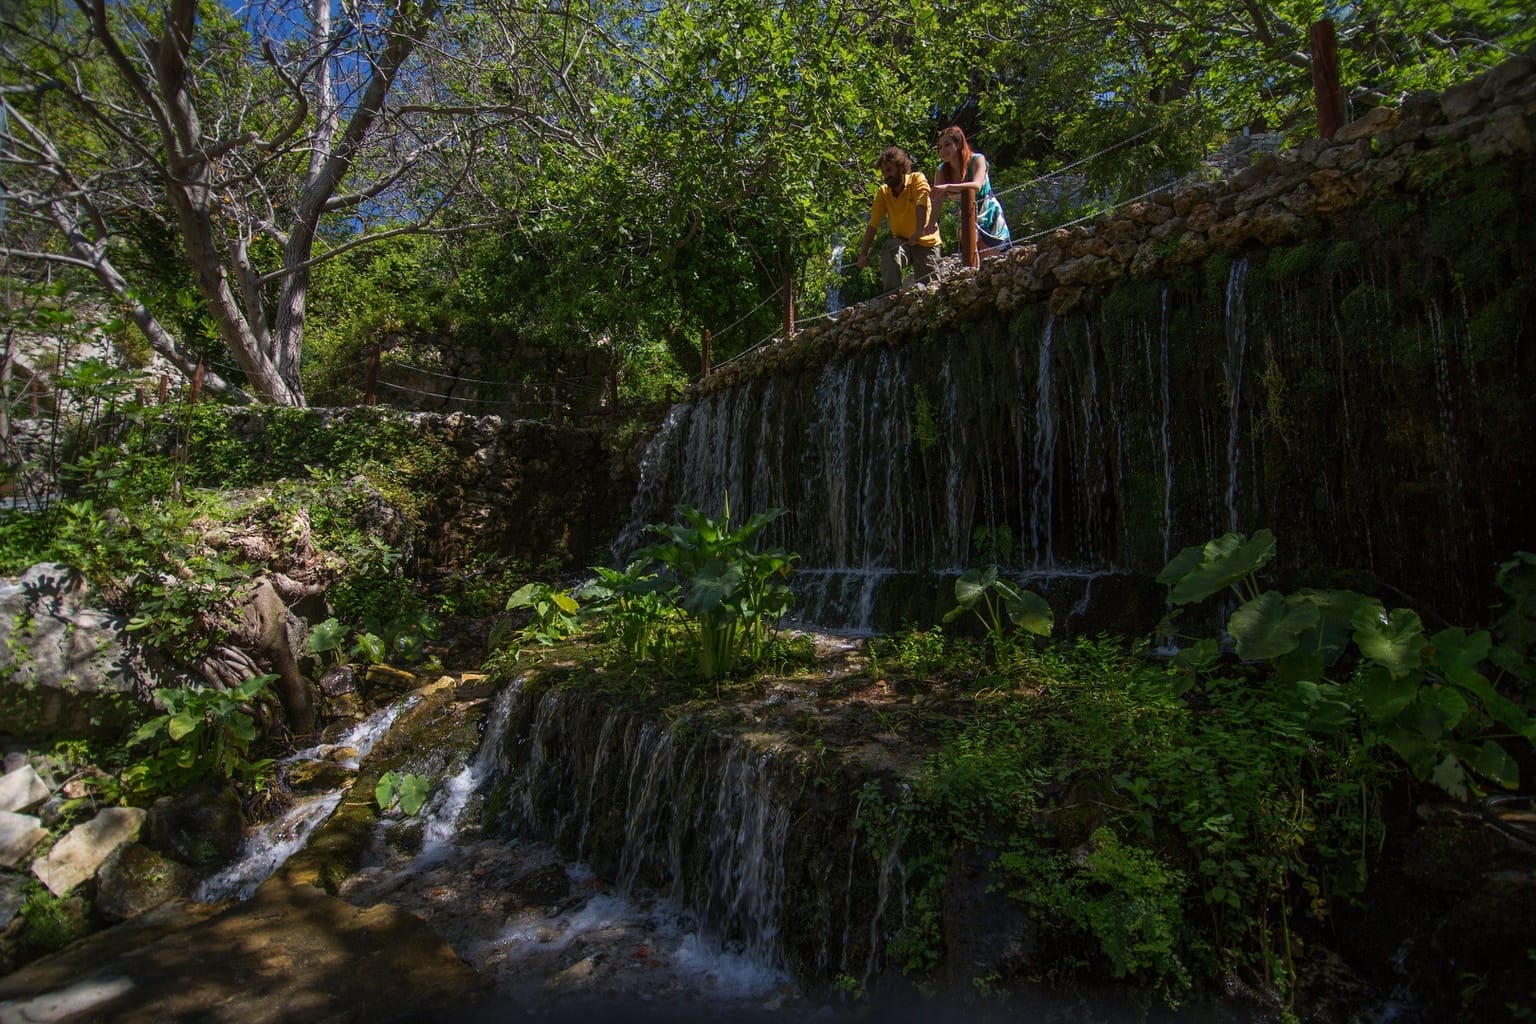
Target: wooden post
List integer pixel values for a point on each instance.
(371, 383)
(197, 382)
(557, 414)
(704, 353)
(789, 305)
(1325, 79)
(165, 387)
(968, 254)
(32, 394)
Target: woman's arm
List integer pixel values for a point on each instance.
(972, 184)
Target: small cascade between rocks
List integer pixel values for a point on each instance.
(580, 855)
(726, 826)
(269, 845)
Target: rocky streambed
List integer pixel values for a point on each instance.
(592, 849)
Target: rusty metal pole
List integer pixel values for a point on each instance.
(968, 254)
(371, 382)
(1325, 79)
(789, 305)
(704, 353)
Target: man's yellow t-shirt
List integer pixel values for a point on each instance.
(901, 211)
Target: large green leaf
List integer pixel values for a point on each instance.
(413, 792)
(1182, 564)
(1396, 644)
(1458, 653)
(1031, 612)
(1493, 761)
(973, 583)
(1336, 614)
(327, 636)
(182, 725)
(1224, 561)
(1384, 695)
(1270, 625)
(714, 584)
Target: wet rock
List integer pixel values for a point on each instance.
(577, 976)
(199, 826)
(339, 680)
(986, 934)
(13, 889)
(136, 879)
(317, 776)
(291, 953)
(77, 856)
(547, 885)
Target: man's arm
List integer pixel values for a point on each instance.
(869, 236)
(921, 199)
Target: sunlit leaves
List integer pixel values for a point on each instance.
(1200, 571)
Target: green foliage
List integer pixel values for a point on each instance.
(989, 597)
(634, 607)
(202, 734)
(728, 589)
(408, 790)
(994, 544)
(920, 653)
(554, 612)
(1127, 898)
(52, 922)
(1155, 843)
(925, 430)
(1433, 699)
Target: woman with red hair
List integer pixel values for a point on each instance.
(962, 169)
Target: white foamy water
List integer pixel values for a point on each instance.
(641, 943)
(359, 739)
(267, 848)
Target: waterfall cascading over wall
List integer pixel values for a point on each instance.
(734, 826)
(1364, 393)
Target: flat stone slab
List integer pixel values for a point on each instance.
(291, 953)
(19, 833)
(22, 789)
(78, 855)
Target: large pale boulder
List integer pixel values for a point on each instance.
(66, 668)
(19, 833)
(22, 789)
(77, 856)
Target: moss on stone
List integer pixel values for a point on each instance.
(1294, 263)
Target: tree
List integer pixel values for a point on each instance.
(263, 151)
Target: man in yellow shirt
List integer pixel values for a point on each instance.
(903, 202)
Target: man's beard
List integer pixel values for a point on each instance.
(895, 181)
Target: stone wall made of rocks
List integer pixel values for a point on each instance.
(1280, 199)
(518, 488)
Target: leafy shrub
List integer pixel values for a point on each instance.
(203, 733)
(731, 593)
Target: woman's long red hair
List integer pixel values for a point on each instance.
(954, 133)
